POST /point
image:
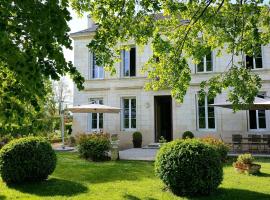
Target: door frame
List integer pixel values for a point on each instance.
(155, 116)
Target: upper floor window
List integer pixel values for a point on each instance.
(97, 71)
(206, 63)
(96, 119)
(257, 118)
(255, 61)
(129, 113)
(129, 62)
(206, 113)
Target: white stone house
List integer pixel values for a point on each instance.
(156, 114)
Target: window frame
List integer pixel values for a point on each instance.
(258, 129)
(90, 118)
(205, 65)
(254, 60)
(123, 53)
(206, 115)
(92, 67)
(129, 117)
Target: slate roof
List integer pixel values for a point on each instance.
(85, 31)
(94, 28)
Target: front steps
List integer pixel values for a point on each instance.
(152, 146)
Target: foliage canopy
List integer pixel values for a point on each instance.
(32, 36)
(181, 32)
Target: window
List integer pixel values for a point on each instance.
(129, 62)
(206, 64)
(97, 71)
(96, 119)
(129, 113)
(206, 113)
(257, 118)
(255, 61)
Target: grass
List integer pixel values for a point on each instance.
(75, 178)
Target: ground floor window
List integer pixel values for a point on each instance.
(206, 113)
(257, 118)
(96, 119)
(129, 113)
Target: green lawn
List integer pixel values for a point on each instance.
(75, 178)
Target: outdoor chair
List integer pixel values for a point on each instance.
(237, 142)
(266, 143)
(254, 142)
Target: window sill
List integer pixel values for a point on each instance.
(208, 130)
(129, 130)
(209, 72)
(128, 77)
(96, 79)
(258, 130)
(258, 69)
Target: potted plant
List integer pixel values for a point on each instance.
(244, 164)
(137, 139)
(187, 134)
(162, 141)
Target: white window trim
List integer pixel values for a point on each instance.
(205, 65)
(90, 118)
(257, 120)
(122, 114)
(206, 116)
(254, 61)
(91, 68)
(123, 63)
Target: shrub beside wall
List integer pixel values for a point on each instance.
(94, 147)
(27, 159)
(189, 167)
(187, 134)
(219, 145)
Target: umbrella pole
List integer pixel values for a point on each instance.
(62, 125)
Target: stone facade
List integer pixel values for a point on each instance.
(184, 116)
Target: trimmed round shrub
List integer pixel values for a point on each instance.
(187, 134)
(137, 139)
(27, 159)
(219, 145)
(189, 167)
(94, 146)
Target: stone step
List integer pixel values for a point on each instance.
(152, 146)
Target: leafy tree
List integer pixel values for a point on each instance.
(32, 35)
(180, 31)
(23, 112)
(62, 92)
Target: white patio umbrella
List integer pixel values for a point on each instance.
(88, 108)
(94, 108)
(258, 104)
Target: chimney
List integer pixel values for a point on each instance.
(90, 22)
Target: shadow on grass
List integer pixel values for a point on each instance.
(234, 194)
(262, 174)
(102, 172)
(2, 197)
(131, 197)
(51, 187)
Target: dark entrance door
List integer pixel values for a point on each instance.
(163, 117)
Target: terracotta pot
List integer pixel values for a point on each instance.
(247, 168)
(253, 168)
